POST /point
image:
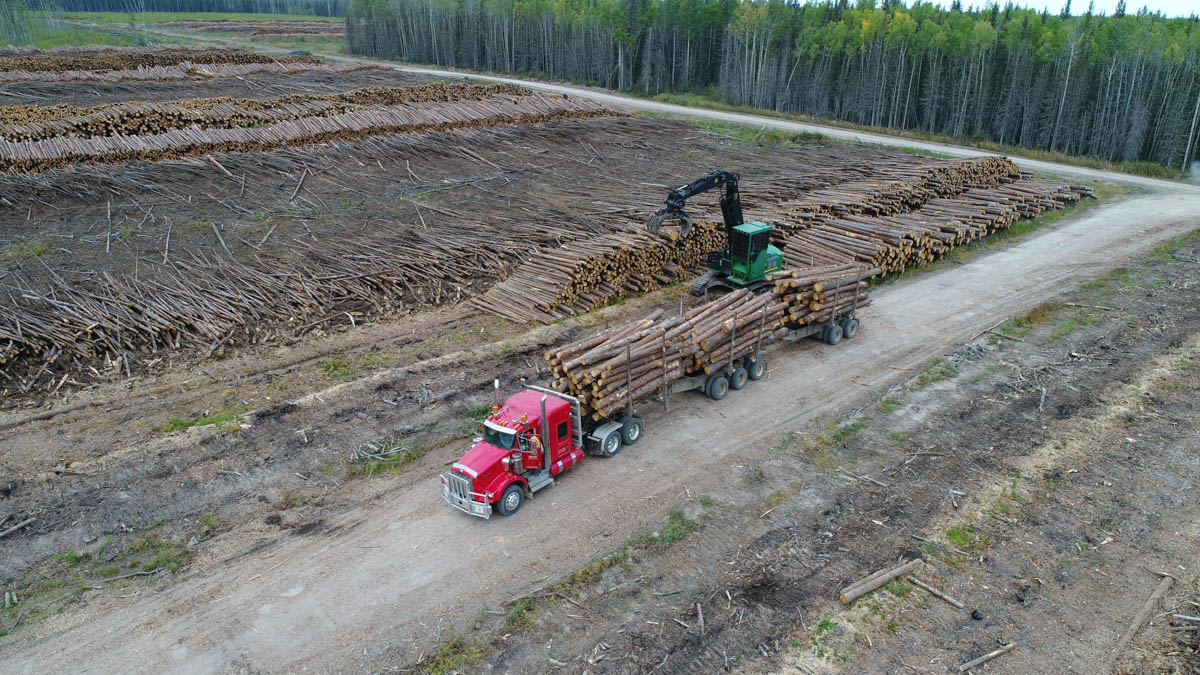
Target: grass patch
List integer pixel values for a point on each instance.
(336, 369)
(939, 371)
(1167, 250)
(707, 502)
(1081, 318)
(1038, 316)
(456, 655)
(889, 404)
(761, 135)
(478, 413)
(393, 462)
(289, 500)
(967, 538)
(677, 528)
(72, 557)
(518, 613)
(25, 250)
(824, 624)
(846, 432)
(924, 153)
(222, 417)
(161, 554)
(898, 588)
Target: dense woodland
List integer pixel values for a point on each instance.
(1121, 87)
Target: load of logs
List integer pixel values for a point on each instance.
(371, 120)
(818, 294)
(642, 358)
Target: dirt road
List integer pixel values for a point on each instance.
(386, 575)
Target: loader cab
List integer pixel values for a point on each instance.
(751, 255)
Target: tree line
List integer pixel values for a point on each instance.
(1121, 87)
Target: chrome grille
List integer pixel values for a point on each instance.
(460, 485)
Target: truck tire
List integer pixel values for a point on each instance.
(849, 328)
(611, 444)
(833, 334)
(511, 500)
(717, 387)
(757, 369)
(631, 430)
(738, 378)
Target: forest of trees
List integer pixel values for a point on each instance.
(1120, 87)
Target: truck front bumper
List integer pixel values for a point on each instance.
(462, 498)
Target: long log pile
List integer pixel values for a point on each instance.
(269, 27)
(58, 152)
(641, 358)
(33, 122)
(893, 242)
(66, 59)
(589, 273)
(914, 212)
(183, 71)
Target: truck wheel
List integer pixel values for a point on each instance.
(757, 369)
(511, 500)
(717, 388)
(833, 334)
(849, 328)
(737, 380)
(611, 444)
(631, 430)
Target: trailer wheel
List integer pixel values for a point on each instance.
(717, 387)
(737, 380)
(511, 500)
(611, 444)
(833, 334)
(849, 328)
(757, 369)
(631, 430)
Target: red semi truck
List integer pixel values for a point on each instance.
(538, 433)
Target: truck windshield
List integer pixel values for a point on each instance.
(500, 439)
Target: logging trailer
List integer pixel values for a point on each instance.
(537, 433)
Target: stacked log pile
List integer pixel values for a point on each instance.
(62, 151)
(893, 242)
(184, 70)
(913, 213)
(641, 358)
(66, 59)
(32, 122)
(589, 273)
(269, 27)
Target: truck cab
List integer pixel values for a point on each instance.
(527, 441)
